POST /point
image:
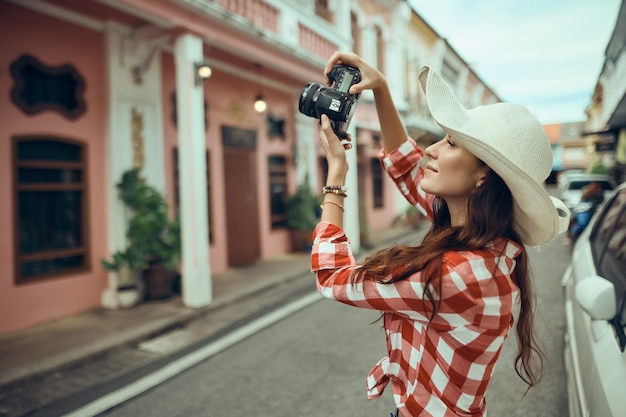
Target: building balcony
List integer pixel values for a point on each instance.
(279, 22)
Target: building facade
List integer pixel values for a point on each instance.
(91, 89)
(606, 114)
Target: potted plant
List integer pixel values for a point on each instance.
(126, 264)
(153, 238)
(414, 217)
(303, 212)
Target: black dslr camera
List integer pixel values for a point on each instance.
(335, 101)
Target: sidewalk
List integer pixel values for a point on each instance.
(27, 353)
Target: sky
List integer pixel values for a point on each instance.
(544, 54)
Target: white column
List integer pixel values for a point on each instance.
(196, 271)
(351, 223)
(305, 157)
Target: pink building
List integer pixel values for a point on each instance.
(93, 88)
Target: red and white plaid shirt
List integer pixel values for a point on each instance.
(441, 369)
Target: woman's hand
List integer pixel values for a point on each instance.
(391, 127)
(371, 78)
(335, 150)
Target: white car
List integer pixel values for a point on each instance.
(570, 188)
(595, 310)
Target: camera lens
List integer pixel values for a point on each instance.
(308, 99)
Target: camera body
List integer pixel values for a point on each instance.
(335, 102)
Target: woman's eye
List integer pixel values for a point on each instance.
(451, 143)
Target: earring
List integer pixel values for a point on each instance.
(479, 184)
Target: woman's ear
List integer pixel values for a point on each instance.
(481, 175)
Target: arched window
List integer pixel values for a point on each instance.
(51, 217)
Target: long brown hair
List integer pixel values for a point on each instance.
(489, 216)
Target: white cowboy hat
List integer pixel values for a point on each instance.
(512, 142)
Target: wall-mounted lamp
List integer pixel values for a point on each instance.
(259, 104)
(202, 71)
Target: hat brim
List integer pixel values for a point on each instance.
(537, 217)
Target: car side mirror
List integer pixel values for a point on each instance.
(596, 295)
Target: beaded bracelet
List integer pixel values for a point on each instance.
(339, 190)
(330, 188)
(336, 192)
(332, 202)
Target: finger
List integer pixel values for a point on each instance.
(326, 126)
(357, 88)
(324, 140)
(326, 131)
(334, 59)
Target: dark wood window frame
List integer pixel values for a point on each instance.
(39, 87)
(378, 200)
(82, 185)
(277, 174)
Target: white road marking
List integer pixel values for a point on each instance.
(174, 368)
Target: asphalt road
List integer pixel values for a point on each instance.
(314, 363)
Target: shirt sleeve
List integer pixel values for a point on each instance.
(464, 297)
(402, 167)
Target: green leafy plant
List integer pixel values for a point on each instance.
(152, 236)
(600, 169)
(303, 209)
(413, 216)
(128, 258)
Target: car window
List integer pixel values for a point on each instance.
(577, 185)
(580, 184)
(603, 230)
(606, 186)
(608, 241)
(613, 263)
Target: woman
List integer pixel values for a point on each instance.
(448, 303)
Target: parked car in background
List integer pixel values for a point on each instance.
(564, 174)
(571, 187)
(594, 287)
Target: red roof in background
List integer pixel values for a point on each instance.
(553, 131)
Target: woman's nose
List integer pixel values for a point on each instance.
(430, 151)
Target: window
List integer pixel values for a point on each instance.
(208, 191)
(579, 185)
(377, 182)
(277, 167)
(322, 10)
(608, 241)
(50, 191)
(38, 87)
